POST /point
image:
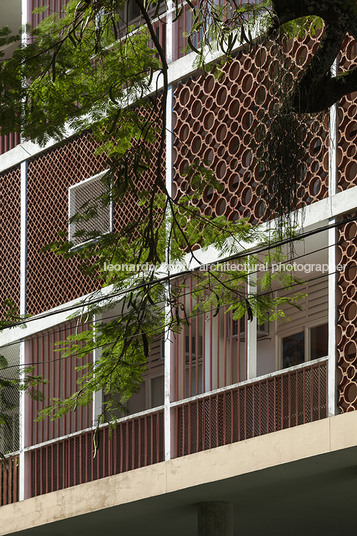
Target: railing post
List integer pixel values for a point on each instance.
(97, 396)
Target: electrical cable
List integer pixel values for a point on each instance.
(196, 314)
(263, 248)
(165, 279)
(187, 293)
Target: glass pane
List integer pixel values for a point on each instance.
(157, 391)
(293, 349)
(136, 402)
(319, 341)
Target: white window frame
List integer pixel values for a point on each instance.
(72, 210)
(306, 328)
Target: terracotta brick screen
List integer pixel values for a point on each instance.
(347, 316)
(216, 120)
(10, 232)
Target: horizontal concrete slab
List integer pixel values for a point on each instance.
(319, 455)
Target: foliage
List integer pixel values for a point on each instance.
(11, 382)
(89, 69)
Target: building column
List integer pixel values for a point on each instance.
(98, 395)
(168, 346)
(169, 31)
(215, 518)
(23, 470)
(332, 318)
(332, 257)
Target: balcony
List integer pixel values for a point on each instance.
(136, 442)
(230, 381)
(9, 480)
(252, 408)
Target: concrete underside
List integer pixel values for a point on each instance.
(298, 481)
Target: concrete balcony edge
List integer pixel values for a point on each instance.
(306, 441)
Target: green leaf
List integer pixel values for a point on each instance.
(38, 10)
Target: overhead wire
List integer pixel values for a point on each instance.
(116, 294)
(154, 332)
(182, 295)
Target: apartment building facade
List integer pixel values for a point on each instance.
(256, 417)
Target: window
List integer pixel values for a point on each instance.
(193, 369)
(95, 216)
(304, 345)
(319, 341)
(293, 349)
(238, 329)
(157, 391)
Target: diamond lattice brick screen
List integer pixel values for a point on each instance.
(347, 318)
(217, 119)
(129, 212)
(51, 280)
(347, 123)
(10, 232)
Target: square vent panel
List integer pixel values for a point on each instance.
(85, 198)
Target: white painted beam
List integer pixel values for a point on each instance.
(332, 320)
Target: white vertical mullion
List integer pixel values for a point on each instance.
(332, 318)
(24, 19)
(169, 32)
(23, 260)
(332, 240)
(167, 391)
(333, 138)
(207, 356)
(252, 332)
(98, 395)
(23, 238)
(22, 471)
(168, 346)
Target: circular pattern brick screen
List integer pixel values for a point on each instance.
(347, 318)
(217, 120)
